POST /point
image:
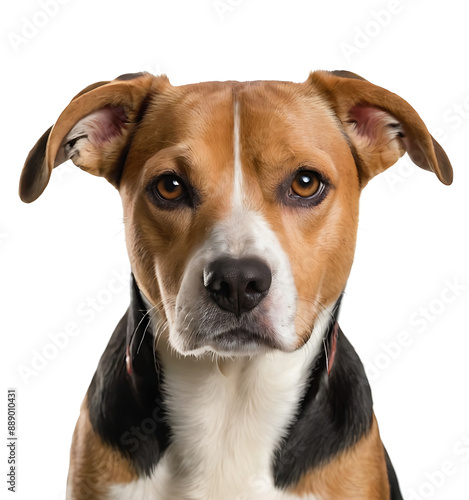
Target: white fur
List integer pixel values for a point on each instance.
(238, 171)
(244, 233)
(227, 417)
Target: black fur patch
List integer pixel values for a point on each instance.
(336, 411)
(34, 171)
(128, 411)
(347, 74)
(130, 76)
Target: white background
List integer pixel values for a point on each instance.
(67, 247)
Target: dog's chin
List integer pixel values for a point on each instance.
(236, 342)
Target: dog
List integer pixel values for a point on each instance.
(228, 378)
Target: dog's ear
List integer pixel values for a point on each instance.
(93, 131)
(381, 125)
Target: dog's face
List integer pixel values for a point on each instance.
(246, 208)
(240, 199)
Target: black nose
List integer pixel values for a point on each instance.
(237, 285)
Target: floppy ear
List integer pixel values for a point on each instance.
(93, 131)
(381, 125)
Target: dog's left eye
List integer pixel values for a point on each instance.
(168, 190)
(306, 184)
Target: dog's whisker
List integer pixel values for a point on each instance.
(149, 324)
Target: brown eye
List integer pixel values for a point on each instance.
(306, 184)
(170, 192)
(170, 187)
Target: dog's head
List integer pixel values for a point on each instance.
(240, 199)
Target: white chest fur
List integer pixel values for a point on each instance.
(227, 418)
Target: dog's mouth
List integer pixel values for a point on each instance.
(236, 342)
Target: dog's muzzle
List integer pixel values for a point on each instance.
(229, 316)
(237, 295)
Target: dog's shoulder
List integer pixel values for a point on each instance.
(334, 441)
(335, 413)
(126, 406)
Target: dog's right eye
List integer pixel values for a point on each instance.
(170, 187)
(168, 190)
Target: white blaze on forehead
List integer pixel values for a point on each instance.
(243, 232)
(238, 172)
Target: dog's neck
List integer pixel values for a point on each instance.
(202, 427)
(232, 414)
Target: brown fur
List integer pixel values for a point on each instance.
(94, 466)
(189, 130)
(358, 473)
(328, 231)
(345, 94)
